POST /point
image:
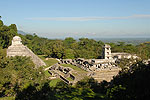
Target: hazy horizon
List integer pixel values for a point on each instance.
(79, 18)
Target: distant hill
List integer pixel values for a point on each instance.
(134, 41)
(22, 32)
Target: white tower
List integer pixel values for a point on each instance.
(16, 41)
(107, 52)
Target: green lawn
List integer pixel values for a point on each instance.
(7, 98)
(54, 82)
(47, 74)
(73, 67)
(70, 79)
(78, 71)
(52, 61)
(49, 62)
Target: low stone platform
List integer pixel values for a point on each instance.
(105, 74)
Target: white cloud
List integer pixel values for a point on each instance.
(88, 18)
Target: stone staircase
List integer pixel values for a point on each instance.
(105, 74)
(21, 50)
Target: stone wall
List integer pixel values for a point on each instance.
(100, 72)
(63, 73)
(90, 64)
(105, 74)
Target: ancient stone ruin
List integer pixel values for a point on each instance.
(100, 69)
(66, 74)
(18, 49)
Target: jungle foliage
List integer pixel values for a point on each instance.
(82, 48)
(20, 79)
(127, 85)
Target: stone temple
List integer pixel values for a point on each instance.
(104, 68)
(18, 49)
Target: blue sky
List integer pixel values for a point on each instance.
(79, 18)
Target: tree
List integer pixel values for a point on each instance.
(131, 84)
(117, 93)
(57, 49)
(13, 27)
(69, 54)
(68, 42)
(6, 34)
(1, 23)
(18, 73)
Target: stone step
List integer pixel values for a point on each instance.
(22, 50)
(105, 74)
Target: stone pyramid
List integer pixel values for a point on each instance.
(18, 49)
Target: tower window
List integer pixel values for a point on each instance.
(107, 48)
(107, 57)
(108, 53)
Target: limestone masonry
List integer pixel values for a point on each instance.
(18, 49)
(108, 60)
(100, 69)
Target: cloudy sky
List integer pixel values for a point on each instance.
(79, 18)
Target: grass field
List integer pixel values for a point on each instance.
(69, 79)
(54, 82)
(78, 71)
(7, 98)
(52, 61)
(49, 62)
(47, 74)
(73, 67)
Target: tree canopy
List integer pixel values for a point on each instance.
(6, 34)
(20, 78)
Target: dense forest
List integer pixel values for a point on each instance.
(20, 79)
(82, 48)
